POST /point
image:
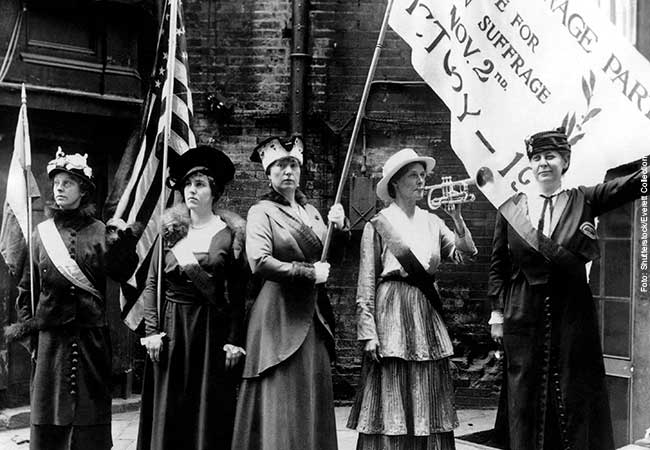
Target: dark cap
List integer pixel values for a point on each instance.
(204, 159)
(548, 140)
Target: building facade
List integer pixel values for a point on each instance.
(86, 63)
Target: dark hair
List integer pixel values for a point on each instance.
(399, 174)
(217, 189)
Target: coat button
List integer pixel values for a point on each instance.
(73, 377)
(73, 368)
(75, 354)
(75, 360)
(73, 392)
(75, 345)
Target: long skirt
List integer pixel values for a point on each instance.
(188, 397)
(291, 406)
(405, 405)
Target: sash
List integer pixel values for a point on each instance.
(308, 241)
(417, 276)
(58, 253)
(551, 250)
(188, 263)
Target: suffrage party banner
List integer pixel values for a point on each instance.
(510, 68)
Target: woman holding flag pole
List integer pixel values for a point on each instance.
(194, 335)
(286, 399)
(554, 395)
(73, 254)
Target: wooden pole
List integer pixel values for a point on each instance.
(171, 61)
(27, 168)
(357, 124)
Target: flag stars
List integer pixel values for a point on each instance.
(180, 31)
(161, 71)
(157, 83)
(164, 55)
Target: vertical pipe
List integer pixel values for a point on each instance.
(299, 57)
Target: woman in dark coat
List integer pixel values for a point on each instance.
(72, 256)
(194, 336)
(406, 400)
(286, 400)
(555, 393)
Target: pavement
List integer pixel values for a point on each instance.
(125, 430)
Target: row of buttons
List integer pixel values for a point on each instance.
(74, 368)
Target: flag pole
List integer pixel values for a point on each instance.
(171, 61)
(27, 169)
(357, 124)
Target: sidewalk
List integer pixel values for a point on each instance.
(125, 430)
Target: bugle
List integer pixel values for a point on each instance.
(451, 192)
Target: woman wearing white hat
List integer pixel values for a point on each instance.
(406, 398)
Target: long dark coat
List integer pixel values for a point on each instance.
(71, 383)
(555, 378)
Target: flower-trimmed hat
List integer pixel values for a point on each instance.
(274, 148)
(395, 163)
(548, 140)
(74, 164)
(204, 159)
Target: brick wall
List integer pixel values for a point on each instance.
(241, 49)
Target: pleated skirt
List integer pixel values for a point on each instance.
(406, 401)
(291, 406)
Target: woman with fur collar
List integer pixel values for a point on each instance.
(194, 334)
(290, 336)
(73, 253)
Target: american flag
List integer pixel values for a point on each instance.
(141, 197)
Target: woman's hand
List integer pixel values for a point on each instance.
(336, 215)
(453, 211)
(372, 349)
(322, 271)
(233, 355)
(496, 330)
(154, 345)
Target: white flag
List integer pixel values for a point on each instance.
(510, 68)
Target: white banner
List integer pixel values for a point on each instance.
(510, 68)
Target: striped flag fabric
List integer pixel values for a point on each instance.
(141, 196)
(21, 188)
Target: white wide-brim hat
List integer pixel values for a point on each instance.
(395, 163)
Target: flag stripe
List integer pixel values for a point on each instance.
(140, 200)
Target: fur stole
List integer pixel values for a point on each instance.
(176, 224)
(276, 197)
(20, 330)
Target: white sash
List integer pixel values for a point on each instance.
(58, 253)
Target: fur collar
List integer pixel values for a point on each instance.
(276, 197)
(75, 218)
(176, 224)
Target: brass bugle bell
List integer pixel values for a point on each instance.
(451, 192)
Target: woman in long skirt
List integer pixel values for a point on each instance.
(194, 335)
(286, 400)
(406, 398)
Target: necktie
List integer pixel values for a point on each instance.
(548, 203)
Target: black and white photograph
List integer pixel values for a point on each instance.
(324, 225)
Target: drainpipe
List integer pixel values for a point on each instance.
(299, 58)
